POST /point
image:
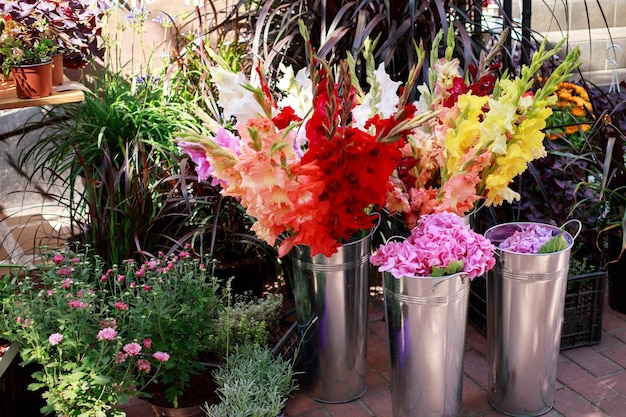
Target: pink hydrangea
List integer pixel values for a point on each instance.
(107, 333)
(527, 239)
(55, 338)
(436, 241)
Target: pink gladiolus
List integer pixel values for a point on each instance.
(161, 356)
(55, 338)
(132, 349)
(106, 334)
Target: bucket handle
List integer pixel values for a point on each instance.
(578, 224)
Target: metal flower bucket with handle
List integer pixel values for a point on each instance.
(525, 301)
(331, 297)
(426, 323)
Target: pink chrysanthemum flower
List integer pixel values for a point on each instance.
(161, 356)
(108, 333)
(55, 338)
(132, 349)
(143, 365)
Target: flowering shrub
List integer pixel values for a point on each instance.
(441, 244)
(313, 177)
(76, 26)
(101, 335)
(571, 114)
(485, 132)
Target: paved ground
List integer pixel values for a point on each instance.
(591, 380)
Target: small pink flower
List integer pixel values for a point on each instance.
(103, 278)
(187, 246)
(120, 357)
(28, 323)
(133, 284)
(132, 349)
(76, 260)
(121, 278)
(151, 265)
(121, 306)
(19, 320)
(106, 334)
(140, 272)
(184, 254)
(77, 304)
(148, 288)
(57, 258)
(67, 284)
(108, 323)
(50, 293)
(64, 272)
(161, 356)
(147, 343)
(143, 365)
(55, 338)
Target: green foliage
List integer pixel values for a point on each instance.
(253, 383)
(18, 52)
(167, 305)
(247, 321)
(555, 244)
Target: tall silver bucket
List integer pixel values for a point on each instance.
(426, 322)
(331, 296)
(525, 301)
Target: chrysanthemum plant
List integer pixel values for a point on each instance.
(101, 335)
(311, 164)
(485, 132)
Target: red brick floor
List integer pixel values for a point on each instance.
(591, 381)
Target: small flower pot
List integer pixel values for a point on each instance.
(33, 81)
(57, 69)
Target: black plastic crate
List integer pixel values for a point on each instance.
(582, 313)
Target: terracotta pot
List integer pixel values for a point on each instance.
(57, 69)
(160, 411)
(33, 81)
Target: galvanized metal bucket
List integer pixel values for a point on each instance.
(426, 322)
(525, 301)
(331, 308)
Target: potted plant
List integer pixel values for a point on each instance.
(30, 62)
(75, 26)
(70, 321)
(606, 179)
(253, 382)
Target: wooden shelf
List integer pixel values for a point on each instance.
(68, 92)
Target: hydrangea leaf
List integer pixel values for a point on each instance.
(555, 244)
(452, 268)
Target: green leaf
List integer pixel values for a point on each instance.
(556, 244)
(452, 268)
